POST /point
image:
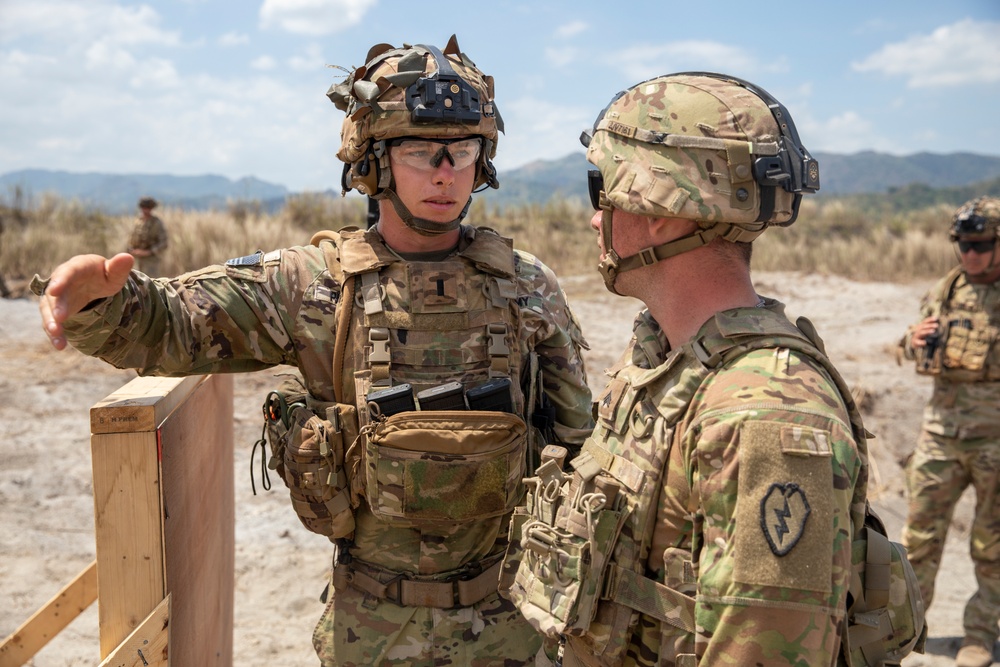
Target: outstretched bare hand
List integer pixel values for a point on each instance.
(75, 283)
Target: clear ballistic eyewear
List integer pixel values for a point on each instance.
(427, 154)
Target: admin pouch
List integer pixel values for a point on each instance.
(566, 560)
(309, 442)
(445, 466)
(885, 613)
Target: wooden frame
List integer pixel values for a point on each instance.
(164, 525)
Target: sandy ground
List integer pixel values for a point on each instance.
(46, 503)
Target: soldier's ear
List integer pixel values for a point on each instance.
(662, 230)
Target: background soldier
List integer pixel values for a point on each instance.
(4, 290)
(724, 429)
(389, 314)
(148, 239)
(959, 444)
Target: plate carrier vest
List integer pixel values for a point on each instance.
(576, 561)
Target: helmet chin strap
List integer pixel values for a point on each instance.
(613, 266)
(421, 225)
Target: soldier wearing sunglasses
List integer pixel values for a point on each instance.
(959, 444)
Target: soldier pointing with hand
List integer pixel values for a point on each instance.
(417, 503)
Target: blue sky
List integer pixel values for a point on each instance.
(238, 88)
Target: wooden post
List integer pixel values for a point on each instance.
(164, 516)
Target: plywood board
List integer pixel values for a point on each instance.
(164, 513)
(199, 529)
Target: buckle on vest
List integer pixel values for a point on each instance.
(379, 339)
(498, 340)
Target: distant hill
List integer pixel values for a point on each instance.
(117, 193)
(857, 174)
(871, 172)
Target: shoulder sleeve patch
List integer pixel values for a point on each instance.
(784, 508)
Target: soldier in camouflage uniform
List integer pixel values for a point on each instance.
(148, 239)
(709, 518)
(419, 518)
(959, 445)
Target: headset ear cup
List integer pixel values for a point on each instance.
(365, 175)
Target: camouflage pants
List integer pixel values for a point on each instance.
(939, 472)
(491, 633)
(148, 265)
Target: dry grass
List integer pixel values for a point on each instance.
(830, 237)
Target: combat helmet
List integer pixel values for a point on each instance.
(413, 91)
(701, 146)
(978, 217)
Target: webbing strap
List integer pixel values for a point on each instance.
(652, 598)
(405, 592)
(680, 140)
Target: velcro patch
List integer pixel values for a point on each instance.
(255, 259)
(784, 508)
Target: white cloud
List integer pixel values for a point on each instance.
(73, 24)
(89, 87)
(233, 39)
(561, 57)
(648, 60)
(311, 61)
(263, 63)
(847, 132)
(571, 29)
(313, 17)
(967, 52)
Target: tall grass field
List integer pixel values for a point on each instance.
(831, 236)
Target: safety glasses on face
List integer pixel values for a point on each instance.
(427, 154)
(981, 247)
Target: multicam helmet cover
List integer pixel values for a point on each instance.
(978, 217)
(702, 146)
(412, 91)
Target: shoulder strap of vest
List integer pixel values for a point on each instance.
(328, 243)
(489, 251)
(715, 351)
(941, 294)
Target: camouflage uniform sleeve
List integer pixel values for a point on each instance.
(550, 328)
(217, 319)
(774, 472)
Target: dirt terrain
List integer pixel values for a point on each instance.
(46, 503)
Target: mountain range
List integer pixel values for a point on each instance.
(861, 173)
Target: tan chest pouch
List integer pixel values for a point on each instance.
(444, 467)
(313, 462)
(967, 351)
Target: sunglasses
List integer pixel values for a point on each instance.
(427, 154)
(595, 185)
(980, 247)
